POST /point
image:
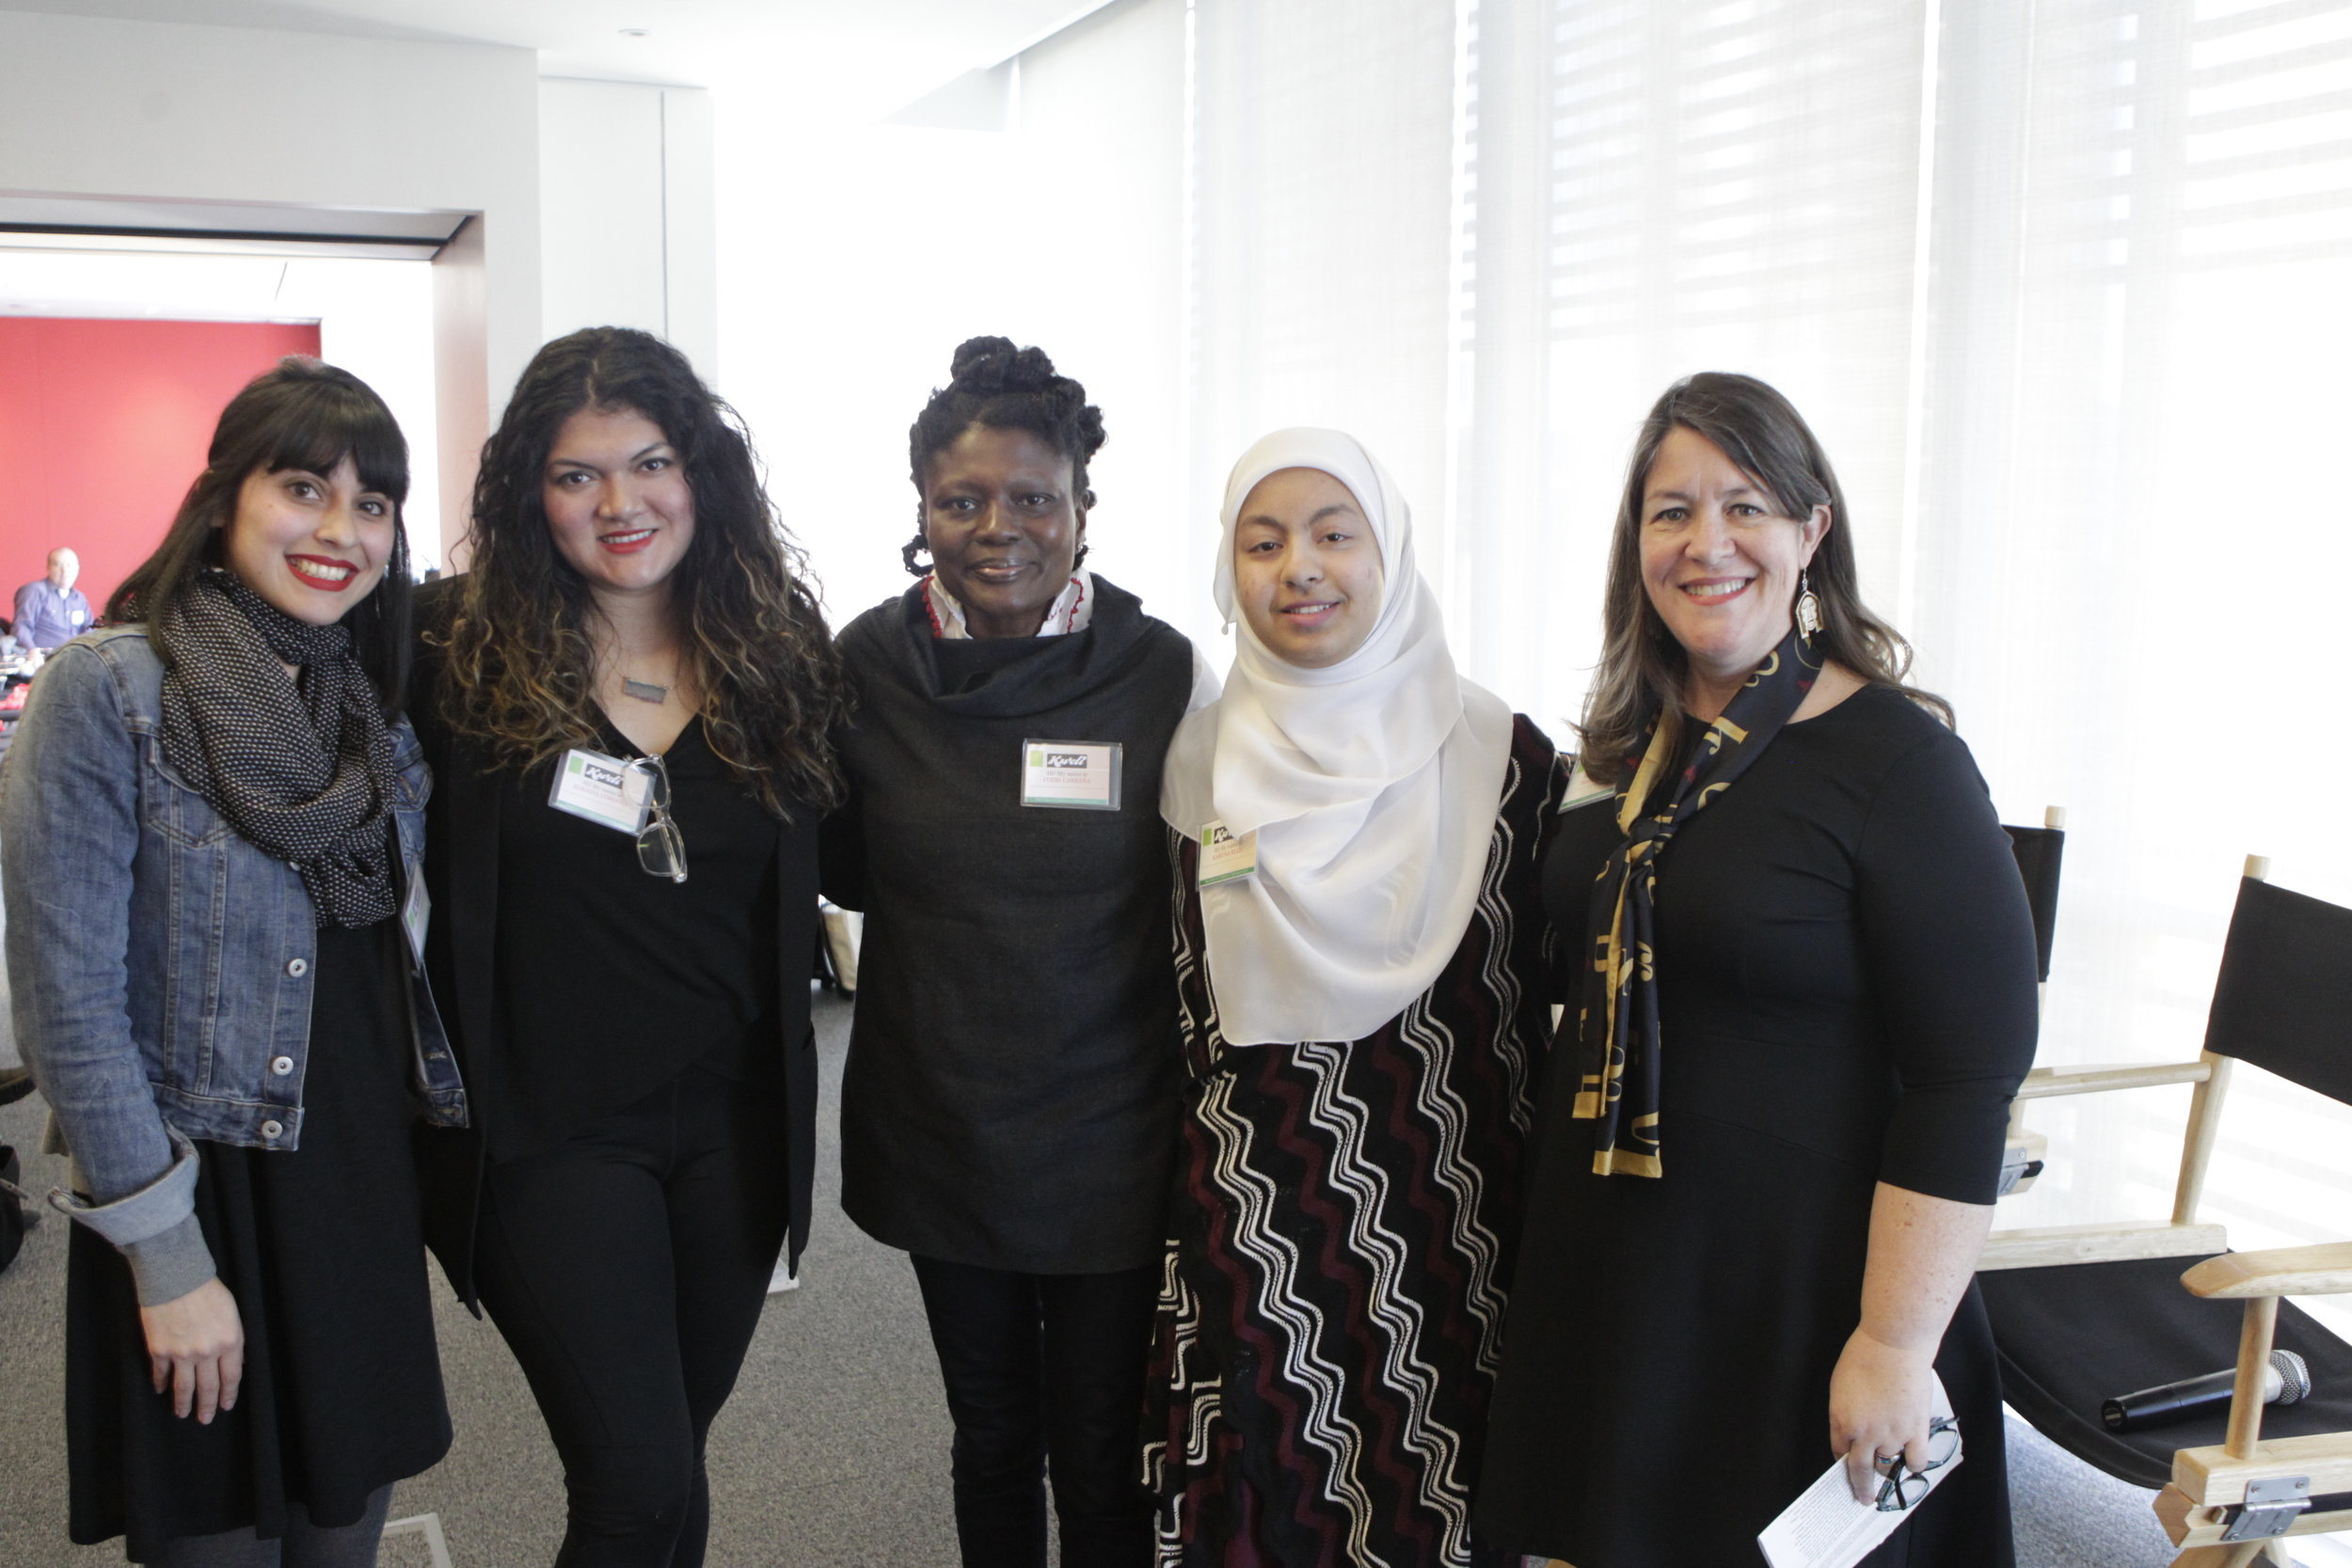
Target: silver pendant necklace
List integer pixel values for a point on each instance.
(644, 691)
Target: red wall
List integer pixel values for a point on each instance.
(103, 426)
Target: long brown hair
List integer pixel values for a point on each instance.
(1643, 669)
(519, 674)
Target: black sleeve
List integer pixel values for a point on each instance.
(1949, 942)
(841, 849)
(1561, 951)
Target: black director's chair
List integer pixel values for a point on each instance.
(2040, 853)
(2083, 1313)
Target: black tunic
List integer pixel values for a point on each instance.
(320, 1246)
(1846, 973)
(1013, 1080)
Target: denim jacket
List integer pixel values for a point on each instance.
(161, 963)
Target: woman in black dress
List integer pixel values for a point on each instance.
(1008, 1109)
(211, 823)
(1774, 1127)
(628, 698)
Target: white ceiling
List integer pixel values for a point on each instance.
(878, 54)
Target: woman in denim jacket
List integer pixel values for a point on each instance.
(210, 826)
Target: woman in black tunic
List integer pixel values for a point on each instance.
(1009, 1102)
(210, 818)
(1773, 1131)
(629, 693)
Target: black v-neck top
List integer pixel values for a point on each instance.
(613, 981)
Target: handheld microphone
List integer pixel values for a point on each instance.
(2284, 1381)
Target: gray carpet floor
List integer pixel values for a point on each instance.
(833, 1452)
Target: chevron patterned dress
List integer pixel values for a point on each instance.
(1343, 1237)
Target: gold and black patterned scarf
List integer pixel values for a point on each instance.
(1617, 1045)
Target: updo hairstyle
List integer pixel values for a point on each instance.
(1004, 388)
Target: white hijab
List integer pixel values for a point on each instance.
(1372, 787)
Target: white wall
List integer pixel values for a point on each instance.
(852, 263)
(627, 219)
(165, 111)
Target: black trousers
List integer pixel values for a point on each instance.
(627, 1268)
(1044, 1374)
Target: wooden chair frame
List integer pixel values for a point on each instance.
(2210, 1485)
(2181, 1236)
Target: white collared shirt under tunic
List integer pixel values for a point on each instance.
(1072, 608)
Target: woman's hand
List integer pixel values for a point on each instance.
(196, 1342)
(1879, 1399)
(1923, 1252)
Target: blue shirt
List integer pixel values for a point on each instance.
(47, 615)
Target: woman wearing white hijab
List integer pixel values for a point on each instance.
(1361, 964)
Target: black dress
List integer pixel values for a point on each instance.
(320, 1246)
(1846, 976)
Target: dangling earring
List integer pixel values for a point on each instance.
(1808, 607)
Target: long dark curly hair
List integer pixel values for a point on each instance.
(994, 384)
(1643, 669)
(519, 670)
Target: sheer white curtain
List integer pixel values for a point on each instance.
(1322, 176)
(2143, 232)
(2061, 286)
(1663, 186)
(2061, 283)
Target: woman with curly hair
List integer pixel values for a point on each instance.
(1009, 1111)
(626, 699)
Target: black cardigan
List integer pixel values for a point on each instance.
(462, 876)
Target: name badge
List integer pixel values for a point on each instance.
(75, 617)
(605, 790)
(1227, 856)
(1582, 790)
(1077, 775)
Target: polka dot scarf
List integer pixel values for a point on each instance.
(303, 771)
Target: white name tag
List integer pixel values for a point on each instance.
(1078, 775)
(1583, 791)
(1227, 856)
(603, 789)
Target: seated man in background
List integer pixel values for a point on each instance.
(50, 609)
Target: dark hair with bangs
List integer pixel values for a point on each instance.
(1003, 388)
(1643, 669)
(308, 414)
(520, 671)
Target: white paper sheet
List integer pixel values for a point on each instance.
(1826, 1528)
